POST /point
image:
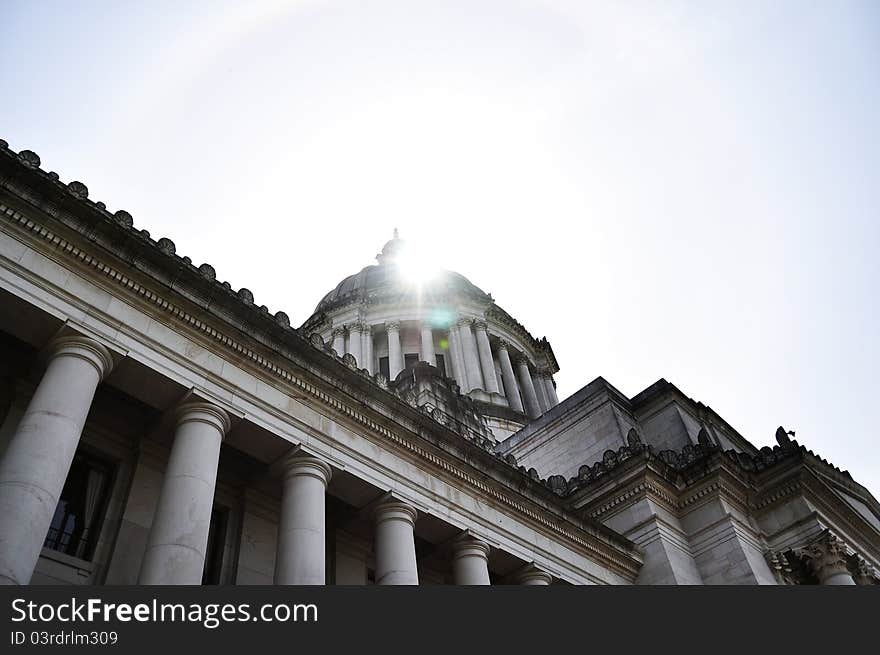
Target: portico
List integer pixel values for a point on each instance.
(305, 506)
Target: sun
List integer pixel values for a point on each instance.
(414, 264)
(416, 267)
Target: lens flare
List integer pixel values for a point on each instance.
(416, 267)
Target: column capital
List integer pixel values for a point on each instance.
(519, 359)
(481, 324)
(203, 412)
(83, 347)
(825, 556)
(464, 321)
(356, 326)
(504, 345)
(467, 545)
(532, 575)
(299, 464)
(392, 326)
(395, 510)
(338, 331)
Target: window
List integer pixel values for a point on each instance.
(216, 546)
(410, 360)
(441, 364)
(383, 367)
(79, 514)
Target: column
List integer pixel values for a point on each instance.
(470, 561)
(299, 559)
(427, 350)
(510, 386)
(540, 391)
(354, 342)
(532, 575)
(338, 335)
(395, 544)
(458, 370)
(367, 348)
(826, 558)
(485, 353)
(179, 535)
(395, 354)
(469, 353)
(530, 398)
(552, 398)
(39, 455)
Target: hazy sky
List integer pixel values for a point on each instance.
(688, 190)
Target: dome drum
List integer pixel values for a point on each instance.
(389, 324)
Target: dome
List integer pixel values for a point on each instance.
(385, 277)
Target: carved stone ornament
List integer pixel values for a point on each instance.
(316, 340)
(78, 190)
(283, 319)
(167, 246)
(557, 484)
(861, 571)
(208, 272)
(29, 159)
(703, 437)
(780, 566)
(633, 438)
(782, 436)
(123, 218)
(350, 361)
(826, 556)
(381, 379)
(392, 326)
(246, 295)
(440, 416)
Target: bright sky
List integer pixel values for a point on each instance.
(688, 190)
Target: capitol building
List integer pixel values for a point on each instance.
(158, 426)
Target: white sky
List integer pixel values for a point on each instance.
(687, 190)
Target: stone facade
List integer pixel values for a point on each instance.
(159, 427)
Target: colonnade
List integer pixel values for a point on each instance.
(39, 456)
(471, 361)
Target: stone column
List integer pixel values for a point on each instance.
(530, 398)
(355, 331)
(39, 455)
(395, 544)
(427, 350)
(299, 559)
(469, 352)
(458, 370)
(338, 335)
(540, 391)
(395, 354)
(486, 362)
(511, 389)
(470, 561)
(552, 398)
(179, 535)
(367, 347)
(826, 557)
(532, 575)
